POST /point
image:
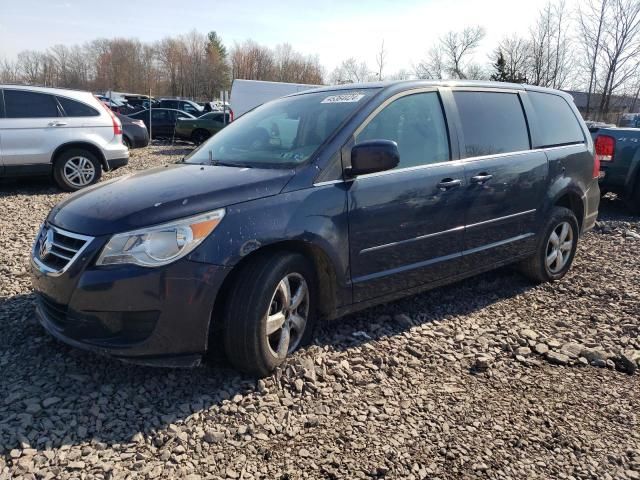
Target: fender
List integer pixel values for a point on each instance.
(92, 147)
(315, 216)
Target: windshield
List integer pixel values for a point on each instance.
(282, 133)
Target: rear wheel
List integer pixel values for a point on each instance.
(76, 169)
(556, 248)
(270, 312)
(127, 142)
(200, 136)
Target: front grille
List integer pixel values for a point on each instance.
(55, 249)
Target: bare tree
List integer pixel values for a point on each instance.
(458, 47)
(620, 48)
(350, 71)
(451, 56)
(433, 66)
(591, 23)
(550, 48)
(381, 59)
(516, 52)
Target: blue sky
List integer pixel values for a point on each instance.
(333, 29)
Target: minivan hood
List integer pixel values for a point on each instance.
(163, 194)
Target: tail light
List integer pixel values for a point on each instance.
(605, 147)
(117, 126)
(231, 115)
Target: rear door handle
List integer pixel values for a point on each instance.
(448, 183)
(57, 124)
(481, 178)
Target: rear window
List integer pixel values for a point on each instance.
(557, 124)
(492, 123)
(25, 104)
(76, 109)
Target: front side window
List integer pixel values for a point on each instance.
(557, 123)
(25, 104)
(282, 133)
(73, 108)
(492, 123)
(416, 123)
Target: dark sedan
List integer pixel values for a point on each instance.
(134, 132)
(162, 123)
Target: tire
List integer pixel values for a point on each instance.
(256, 306)
(200, 136)
(126, 142)
(69, 165)
(543, 266)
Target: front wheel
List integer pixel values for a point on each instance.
(270, 312)
(200, 136)
(556, 248)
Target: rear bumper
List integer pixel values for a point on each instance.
(117, 163)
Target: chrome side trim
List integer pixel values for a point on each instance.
(506, 217)
(409, 240)
(413, 266)
(48, 270)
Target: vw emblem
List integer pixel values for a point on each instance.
(46, 244)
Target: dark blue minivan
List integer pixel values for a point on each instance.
(313, 206)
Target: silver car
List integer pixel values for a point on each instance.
(67, 133)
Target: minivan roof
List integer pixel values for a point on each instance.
(409, 84)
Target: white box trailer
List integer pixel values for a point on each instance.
(248, 94)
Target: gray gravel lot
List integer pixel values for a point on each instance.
(488, 378)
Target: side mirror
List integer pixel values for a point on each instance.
(373, 156)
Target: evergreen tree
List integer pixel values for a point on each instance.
(500, 68)
(215, 45)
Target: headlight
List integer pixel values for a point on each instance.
(161, 244)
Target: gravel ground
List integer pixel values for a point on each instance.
(488, 378)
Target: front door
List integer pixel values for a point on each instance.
(505, 180)
(406, 225)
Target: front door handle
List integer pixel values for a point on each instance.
(481, 178)
(57, 124)
(447, 183)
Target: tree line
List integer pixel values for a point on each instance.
(594, 48)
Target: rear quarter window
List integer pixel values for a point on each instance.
(73, 108)
(492, 123)
(557, 124)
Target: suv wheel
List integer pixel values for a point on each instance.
(76, 169)
(270, 313)
(556, 248)
(200, 136)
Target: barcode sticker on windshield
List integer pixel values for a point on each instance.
(344, 98)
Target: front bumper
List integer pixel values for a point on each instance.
(156, 316)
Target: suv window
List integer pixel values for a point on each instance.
(25, 104)
(416, 123)
(73, 108)
(492, 123)
(557, 123)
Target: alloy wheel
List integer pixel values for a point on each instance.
(287, 315)
(559, 247)
(79, 171)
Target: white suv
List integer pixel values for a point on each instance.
(67, 133)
